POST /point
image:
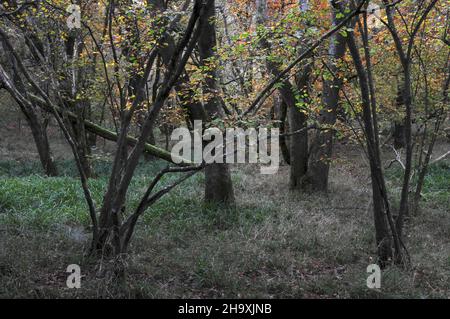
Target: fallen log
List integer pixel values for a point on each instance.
(112, 136)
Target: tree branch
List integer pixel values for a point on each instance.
(262, 95)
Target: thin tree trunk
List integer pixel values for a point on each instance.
(424, 168)
(72, 82)
(123, 169)
(80, 136)
(382, 218)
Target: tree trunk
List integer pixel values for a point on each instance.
(72, 81)
(218, 184)
(280, 111)
(183, 88)
(382, 215)
(404, 197)
(43, 147)
(322, 144)
(38, 129)
(398, 133)
(80, 137)
(298, 143)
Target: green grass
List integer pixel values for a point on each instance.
(437, 183)
(38, 206)
(436, 188)
(39, 201)
(35, 200)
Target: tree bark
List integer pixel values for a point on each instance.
(43, 147)
(322, 145)
(71, 85)
(280, 110)
(39, 132)
(114, 200)
(37, 126)
(218, 184)
(381, 211)
(297, 119)
(298, 142)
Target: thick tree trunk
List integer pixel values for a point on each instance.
(38, 129)
(382, 236)
(298, 143)
(218, 184)
(151, 140)
(398, 133)
(280, 110)
(404, 197)
(322, 145)
(84, 150)
(298, 147)
(43, 147)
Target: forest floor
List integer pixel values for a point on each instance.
(273, 244)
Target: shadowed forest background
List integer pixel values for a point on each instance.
(90, 95)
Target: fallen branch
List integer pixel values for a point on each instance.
(111, 136)
(398, 158)
(440, 158)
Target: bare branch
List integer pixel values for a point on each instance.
(148, 199)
